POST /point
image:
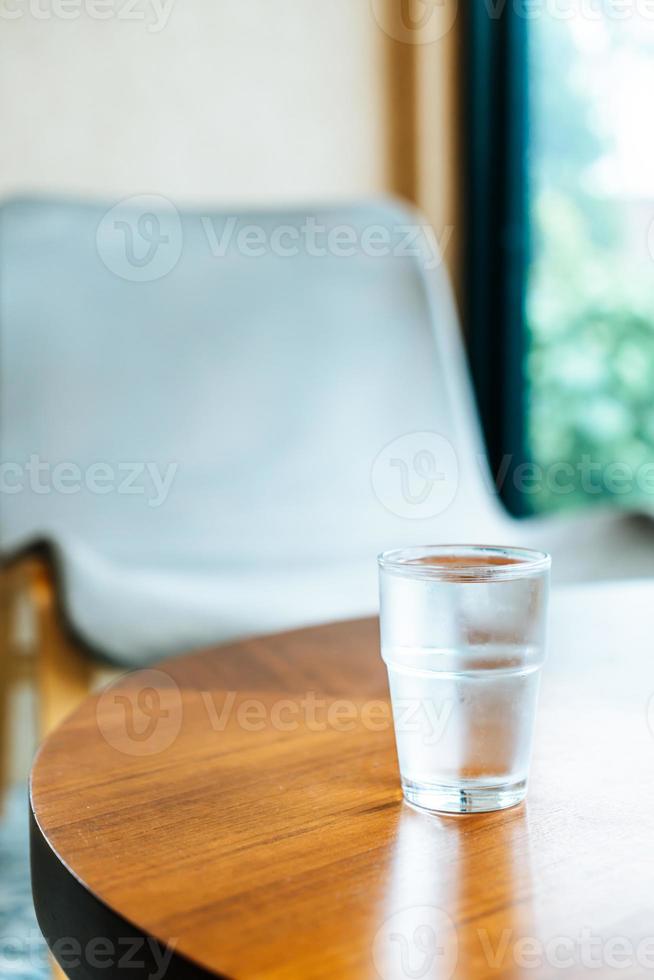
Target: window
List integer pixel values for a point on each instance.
(562, 329)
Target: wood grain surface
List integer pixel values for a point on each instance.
(242, 807)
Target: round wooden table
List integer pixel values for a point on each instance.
(237, 813)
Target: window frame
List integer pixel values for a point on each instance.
(496, 232)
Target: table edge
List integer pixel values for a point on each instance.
(80, 917)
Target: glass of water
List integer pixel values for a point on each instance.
(463, 638)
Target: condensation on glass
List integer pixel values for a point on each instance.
(463, 638)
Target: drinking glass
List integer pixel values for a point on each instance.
(463, 638)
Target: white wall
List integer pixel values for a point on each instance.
(212, 100)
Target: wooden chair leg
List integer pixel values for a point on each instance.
(16, 664)
(42, 650)
(64, 672)
(35, 646)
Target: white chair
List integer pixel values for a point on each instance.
(266, 387)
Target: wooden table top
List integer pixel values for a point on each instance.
(239, 810)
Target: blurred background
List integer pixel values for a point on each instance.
(520, 130)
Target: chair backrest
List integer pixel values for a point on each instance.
(227, 389)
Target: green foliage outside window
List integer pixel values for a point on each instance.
(590, 308)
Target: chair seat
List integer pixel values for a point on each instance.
(227, 447)
(133, 613)
(598, 545)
